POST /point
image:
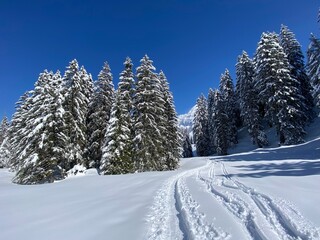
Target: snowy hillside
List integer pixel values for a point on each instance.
(268, 193)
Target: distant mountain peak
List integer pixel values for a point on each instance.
(186, 120)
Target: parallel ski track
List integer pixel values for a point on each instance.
(175, 214)
(188, 222)
(237, 206)
(282, 216)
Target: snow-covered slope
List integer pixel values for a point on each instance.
(268, 193)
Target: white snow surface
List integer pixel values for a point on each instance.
(270, 193)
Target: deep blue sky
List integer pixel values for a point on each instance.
(192, 41)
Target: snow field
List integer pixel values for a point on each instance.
(261, 194)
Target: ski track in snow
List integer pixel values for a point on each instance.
(188, 222)
(281, 215)
(261, 216)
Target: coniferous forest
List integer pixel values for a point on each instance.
(274, 89)
(70, 123)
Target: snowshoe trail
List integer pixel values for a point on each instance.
(175, 214)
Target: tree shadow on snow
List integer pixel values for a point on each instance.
(304, 168)
(307, 153)
(309, 150)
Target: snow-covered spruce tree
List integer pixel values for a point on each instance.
(221, 124)
(78, 87)
(19, 129)
(38, 162)
(5, 148)
(277, 90)
(212, 107)
(117, 153)
(99, 115)
(248, 100)
(4, 127)
(148, 115)
(313, 68)
(292, 49)
(170, 131)
(227, 94)
(119, 149)
(186, 145)
(200, 128)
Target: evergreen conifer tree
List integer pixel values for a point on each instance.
(186, 145)
(170, 131)
(4, 127)
(38, 162)
(200, 128)
(278, 90)
(117, 155)
(221, 125)
(77, 88)
(292, 49)
(99, 115)
(5, 148)
(18, 130)
(119, 149)
(228, 97)
(148, 118)
(313, 68)
(212, 108)
(248, 100)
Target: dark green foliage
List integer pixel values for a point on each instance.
(119, 149)
(186, 146)
(248, 100)
(292, 49)
(278, 90)
(78, 88)
(313, 68)
(200, 128)
(170, 131)
(228, 98)
(98, 116)
(221, 126)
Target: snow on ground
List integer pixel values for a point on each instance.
(270, 193)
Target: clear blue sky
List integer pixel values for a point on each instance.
(192, 41)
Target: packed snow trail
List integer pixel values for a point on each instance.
(175, 213)
(282, 217)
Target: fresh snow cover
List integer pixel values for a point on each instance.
(269, 193)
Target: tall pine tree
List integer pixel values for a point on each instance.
(170, 133)
(228, 97)
(222, 127)
(313, 67)
(148, 119)
(212, 108)
(38, 158)
(278, 90)
(119, 149)
(5, 147)
(200, 128)
(78, 87)
(99, 115)
(248, 100)
(292, 49)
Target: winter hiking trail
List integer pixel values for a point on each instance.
(176, 214)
